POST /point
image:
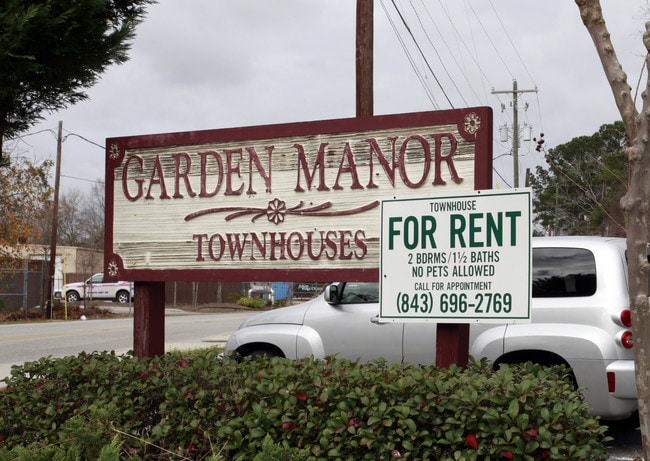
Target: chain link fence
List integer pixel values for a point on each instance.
(23, 289)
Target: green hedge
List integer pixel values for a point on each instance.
(248, 301)
(181, 406)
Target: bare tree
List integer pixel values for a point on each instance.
(71, 228)
(80, 219)
(92, 215)
(636, 201)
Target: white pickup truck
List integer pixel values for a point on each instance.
(96, 288)
(580, 317)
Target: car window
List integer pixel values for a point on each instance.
(360, 292)
(98, 278)
(563, 272)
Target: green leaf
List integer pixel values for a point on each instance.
(333, 452)
(411, 424)
(513, 409)
(257, 432)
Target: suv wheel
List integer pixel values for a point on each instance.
(72, 296)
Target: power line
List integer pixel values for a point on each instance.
(451, 53)
(511, 42)
(418, 74)
(46, 130)
(95, 181)
(502, 178)
(53, 132)
(417, 45)
(442, 61)
(459, 36)
(496, 50)
(85, 139)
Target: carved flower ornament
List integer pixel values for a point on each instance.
(472, 123)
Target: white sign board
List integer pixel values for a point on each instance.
(456, 258)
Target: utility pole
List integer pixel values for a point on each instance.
(55, 219)
(515, 125)
(364, 57)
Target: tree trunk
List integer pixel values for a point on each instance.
(2, 135)
(635, 202)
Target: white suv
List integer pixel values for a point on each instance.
(580, 317)
(96, 288)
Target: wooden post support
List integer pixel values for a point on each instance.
(149, 319)
(364, 57)
(452, 344)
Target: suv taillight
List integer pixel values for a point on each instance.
(626, 318)
(622, 318)
(626, 339)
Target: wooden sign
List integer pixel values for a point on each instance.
(294, 202)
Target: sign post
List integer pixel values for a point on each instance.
(456, 259)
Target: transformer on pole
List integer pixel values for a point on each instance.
(515, 126)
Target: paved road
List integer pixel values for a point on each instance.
(20, 343)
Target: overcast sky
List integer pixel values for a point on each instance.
(205, 64)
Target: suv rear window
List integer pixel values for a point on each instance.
(563, 272)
